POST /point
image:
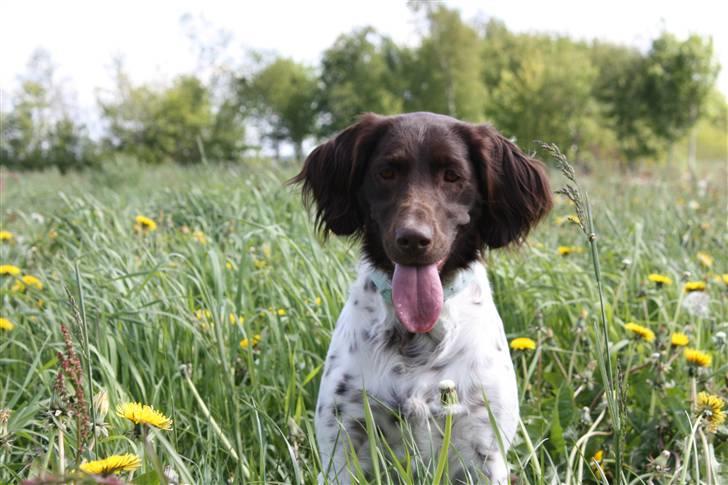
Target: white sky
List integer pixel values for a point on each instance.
(83, 36)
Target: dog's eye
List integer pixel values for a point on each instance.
(451, 176)
(387, 174)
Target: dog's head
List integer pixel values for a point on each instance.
(426, 193)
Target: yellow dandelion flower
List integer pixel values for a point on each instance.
(691, 286)
(705, 259)
(598, 456)
(9, 270)
(6, 324)
(200, 237)
(317, 301)
(139, 413)
(229, 265)
(6, 236)
(281, 312)
(144, 224)
(566, 250)
(679, 339)
(659, 279)
(643, 332)
(259, 263)
(523, 343)
(32, 281)
(574, 219)
(698, 358)
(710, 407)
(112, 464)
(245, 343)
(724, 277)
(203, 314)
(236, 319)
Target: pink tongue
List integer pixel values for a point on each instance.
(417, 296)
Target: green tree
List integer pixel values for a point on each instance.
(39, 130)
(174, 124)
(540, 88)
(283, 94)
(654, 99)
(359, 73)
(445, 72)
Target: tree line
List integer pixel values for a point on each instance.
(596, 100)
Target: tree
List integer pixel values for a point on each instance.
(540, 87)
(358, 75)
(678, 77)
(445, 73)
(283, 94)
(177, 123)
(654, 99)
(40, 131)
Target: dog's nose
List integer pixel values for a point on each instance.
(413, 239)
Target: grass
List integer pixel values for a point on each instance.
(149, 316)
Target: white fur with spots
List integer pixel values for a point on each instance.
(370, 350)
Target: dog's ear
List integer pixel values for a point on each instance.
(333, 172)
(514, 187)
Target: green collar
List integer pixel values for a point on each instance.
(458, 283)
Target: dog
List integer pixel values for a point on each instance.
(426, 194)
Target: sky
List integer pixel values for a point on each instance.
(84, 36)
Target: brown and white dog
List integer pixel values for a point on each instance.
(426, 194)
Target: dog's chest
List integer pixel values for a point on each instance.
(401, 371)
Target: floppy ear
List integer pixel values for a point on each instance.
(333, 172)
(514, 187)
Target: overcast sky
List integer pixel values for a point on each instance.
(84, 36)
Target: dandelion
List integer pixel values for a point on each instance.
(236, 319)
(698, 358)
(6, 236)
(660, 279)
(9, 270)
(139, 413)
(643, 332)
(203, 314)
(245, 343)
(281, 312)
(317, 301)
(566, 250)
(200, 237)
(32, 281)
(144, 224)
(679, 339)
(523, 343)
(710, 407)
(691, 286)
(6, 324)
(229, 265)
(697, 303)
(724, 277)
(705, 259)
(113, 464)
(259, 263)
(27, 281)
(598, 456)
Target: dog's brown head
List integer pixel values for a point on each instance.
(426, 193)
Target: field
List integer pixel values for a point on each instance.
(220, 316)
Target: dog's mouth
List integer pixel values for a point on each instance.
(417, 295)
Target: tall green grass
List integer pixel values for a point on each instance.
(150, 321)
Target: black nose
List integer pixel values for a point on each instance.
(413, 239)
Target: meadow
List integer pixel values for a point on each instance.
(218, 309)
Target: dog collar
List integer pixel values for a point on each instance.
(459, 282)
